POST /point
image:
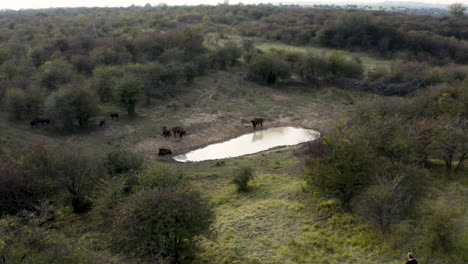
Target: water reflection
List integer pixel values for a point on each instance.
(257, 136)
(251, 143)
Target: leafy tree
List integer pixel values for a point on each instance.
(269, 69)
(442, 229)
(105, 78)
(128, 92)
(54, 73)
(80, 179)
(9, 71)
(343, 174)
(38, 56)
(456, 10)
(85, 105)
(68, 107)
(389, 198)
(16, 103)
(449, 140)
(340, 66)
(161, 224)
(226, 55)
(31, 179)
(44, 173)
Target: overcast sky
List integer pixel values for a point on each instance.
(17, 4)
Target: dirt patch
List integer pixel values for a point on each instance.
(215, 132)
(281, 97)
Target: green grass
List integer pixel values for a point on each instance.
(272, 223)
(368, 61)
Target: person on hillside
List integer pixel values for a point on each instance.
(411, 259)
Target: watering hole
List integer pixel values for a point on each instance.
(257, 141)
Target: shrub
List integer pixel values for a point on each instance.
(16, 103)
(161, 176)
(242, 177)
(28, 239)
(109, 193)
(54, 73)
(128, 92)
(389, 198)
(46, 173)
(120, 161)
(341, 66)
(68, 107)
(343, 174)
(226, 55)
(161, 224)
(104, 80)
(269, 69)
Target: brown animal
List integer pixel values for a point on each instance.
(164, 151)
(166, 132)
(102, 123)
(178, 130)
(257, 121)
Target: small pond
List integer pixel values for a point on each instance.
(257, 141)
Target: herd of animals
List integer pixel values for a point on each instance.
(166, 131)
(179, 131)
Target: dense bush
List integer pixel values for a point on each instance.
(71, 108)
(242, 177)
(43, 173)
(161, 176)
(29, 239)
(52, 74)
(128, 92)
(121, 161)
(161, 224)
(16, 103)
(226, 55)
(342, 174)
(269, 69)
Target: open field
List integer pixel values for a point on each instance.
(260, 226)
(214, 108)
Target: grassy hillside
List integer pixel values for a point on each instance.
(387, 176)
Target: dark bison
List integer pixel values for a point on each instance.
(257, 121)
(166, 132)
(44, 121)
(164, 151)
(34, 123)
(112, 115)
(178, 131)
(102, 123)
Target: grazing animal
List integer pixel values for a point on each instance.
(178, 130)
(166, 132)
(44, 121)
(112, 115)
(164, 151)
(102, 123)
(34, 123)
(257, 121)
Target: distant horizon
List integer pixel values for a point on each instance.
(44, 4)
